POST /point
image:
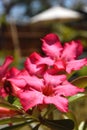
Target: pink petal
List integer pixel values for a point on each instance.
(19, 79)
(72, 50)
(4, 67)
(2, 92)
(35, 58)
(46, 60)
(60, 102)
(80, 48)
(35, 64)
(35, 82)
(54, 79)
(67, 89)
(21, 83)
(30, 80)
(60, 65)
(76, 65)
(15, 89)
(51, 45)
(12, 72)
(23, 79)
(30, 99)
(30, 63)
(31, 67)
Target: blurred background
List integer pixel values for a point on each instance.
(24, 22)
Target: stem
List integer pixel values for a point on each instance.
(49, 110)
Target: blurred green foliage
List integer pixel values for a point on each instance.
(67, 33)
(3, 19)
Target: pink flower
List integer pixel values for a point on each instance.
(51, 89)
(65, 58)
(7, 88)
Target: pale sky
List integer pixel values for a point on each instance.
(17, 12)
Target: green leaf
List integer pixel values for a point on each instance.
(4, 103)
(81, 82)
(11, 99)
(17, 103)
(12, 120)
(76, 97)
(64, 124)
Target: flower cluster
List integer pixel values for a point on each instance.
(43, 80)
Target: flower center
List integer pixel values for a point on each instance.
(48, 90)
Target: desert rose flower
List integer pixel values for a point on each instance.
(13, 74)
(51, 89)
(65, 57)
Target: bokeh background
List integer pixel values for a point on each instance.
(24, 22)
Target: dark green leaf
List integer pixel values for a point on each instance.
(11, 99)
(80, 82)
(72, 116)
(64, 124)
